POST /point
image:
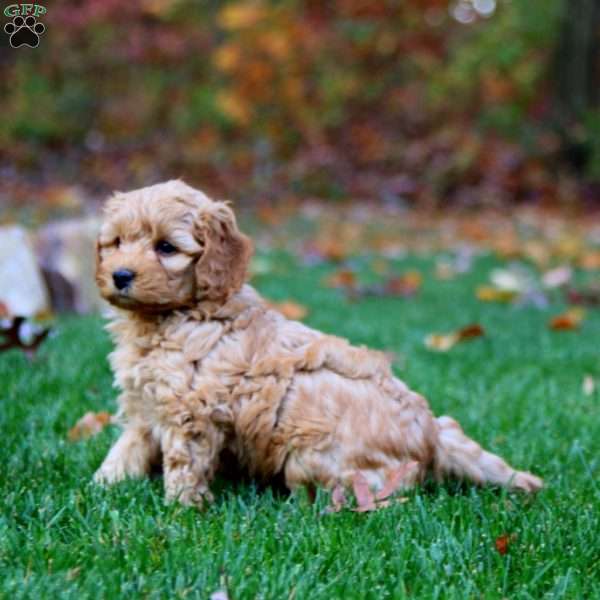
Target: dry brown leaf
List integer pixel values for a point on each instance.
(89, 425)
(332, 250)
(588, 385)
(406, 284)
(442, 342)
(471, 331)
(571, 319)
(343, 278)
(290, 309)
(362, 492)
(338, 499)
(395, 480)
(488, 293)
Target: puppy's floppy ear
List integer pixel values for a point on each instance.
(221, 269)
(98, 258)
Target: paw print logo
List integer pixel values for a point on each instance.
(24, 32)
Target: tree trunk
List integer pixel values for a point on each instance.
(577, 66)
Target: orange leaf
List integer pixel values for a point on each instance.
(362, 492)
(590, 261)
(407, 284)
(341, 279)
(570, 319)
(338, 499)
(395, 480)
(443, 342)
(90, 424)
(333, 250)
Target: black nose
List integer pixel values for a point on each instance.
(123, 278)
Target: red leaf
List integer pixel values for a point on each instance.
(503, 542)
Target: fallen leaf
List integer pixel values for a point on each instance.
(557, 277)
(89, 425)
(488, 293)
(338, 499)
(513, 280)
(585, 296)
(332, 250)
(588, 385)
(343, 278)
(395, 480)
(73, 573)
(290, 309)
(590, 261)
(407, 284)
(443, 342)
(362, 492)
(571, 319)
(471, 331)
(503, 542)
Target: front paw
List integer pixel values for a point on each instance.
(197, 496)
(109, 474)
(527, 482)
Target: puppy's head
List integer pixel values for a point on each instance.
(169, 246)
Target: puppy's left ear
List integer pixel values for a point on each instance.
(221, 270)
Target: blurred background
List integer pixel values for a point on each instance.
(458, 117)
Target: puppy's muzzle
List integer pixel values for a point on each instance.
(123, 278)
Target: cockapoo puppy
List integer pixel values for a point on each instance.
(205, 366)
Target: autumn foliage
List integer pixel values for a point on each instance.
(421, 101)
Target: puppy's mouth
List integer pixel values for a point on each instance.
(123, 300)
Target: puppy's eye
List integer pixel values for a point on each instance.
(117, 242)
(164, 247)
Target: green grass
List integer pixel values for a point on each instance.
(518, 391)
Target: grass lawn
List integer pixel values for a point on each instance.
(518, 391)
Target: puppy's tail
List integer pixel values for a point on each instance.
(462, 457)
